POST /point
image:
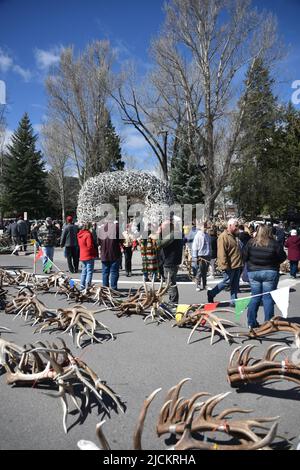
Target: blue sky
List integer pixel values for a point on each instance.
(32, 32)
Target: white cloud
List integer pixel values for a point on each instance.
(7, 64)
(24, 73)
(45, 59)
(134, 141)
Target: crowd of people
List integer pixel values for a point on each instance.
(240, 253)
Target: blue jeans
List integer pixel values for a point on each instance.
(87, 273)
(231, 277)
(48, 253)
(293, 268)
(110, 269)
(260, 282)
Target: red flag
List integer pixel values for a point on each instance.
(211, 306)
(39, 255)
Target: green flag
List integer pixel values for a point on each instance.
(240, 306)
(48, 265)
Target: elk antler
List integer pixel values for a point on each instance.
(243, 370)
(46, 362)
(77, 320)
(177, 413)
(207, 319)
(272, 326)
(178, 416)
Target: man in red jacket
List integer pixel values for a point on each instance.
(293, 246)
(88, 253)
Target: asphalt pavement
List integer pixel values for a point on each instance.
(140, 360)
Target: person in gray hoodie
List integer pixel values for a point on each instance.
(201, 254)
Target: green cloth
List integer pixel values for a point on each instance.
(240, 306)
(48, 265)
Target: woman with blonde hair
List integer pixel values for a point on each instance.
(263, 255)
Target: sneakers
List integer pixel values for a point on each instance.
(198, 289)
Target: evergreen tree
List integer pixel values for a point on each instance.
(284, 173)
(257, 147)
(106, 152)
(113, 148)
(24, 174)
(185, 177)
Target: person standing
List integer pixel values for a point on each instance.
(47, 238)
(214, 251)
(23, 233)
(229, 261)
(293, 246)
(127, 243)
(88, 254)
(108, 237)
(201, 255)
(189, 239)
(263, 255)
(172, 245)
(150, 256)
(70, 243)
(13, 233)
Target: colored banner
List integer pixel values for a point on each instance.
(240, 307)
(282, 299)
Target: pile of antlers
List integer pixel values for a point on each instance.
(184, 417)
(204, 319)
(53, 365)
(7, 278)
(77, 320)
(244, 370)
(272, 326)
(147, 298)
(26, 303)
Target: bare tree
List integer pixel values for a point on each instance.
(195, 88)
(78, 91)
(57, 157)
(135, 108)
(202, 54)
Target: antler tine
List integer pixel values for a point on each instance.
(196, 396)
(99, 432)
(176, 392)
(213, 403)
(164, 413)
(233, 354)
(193, 330)
(269, 351)
(278, 351)
(230, 411)
(210, 404)
(244, 355)
(137, 436)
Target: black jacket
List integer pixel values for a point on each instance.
(260, 258)
(214, 246)
(69, 236)
(244, 237)
(173, 253)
